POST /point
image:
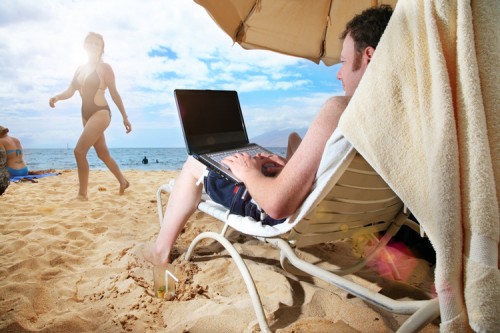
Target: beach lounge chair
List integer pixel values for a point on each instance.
(348, 198)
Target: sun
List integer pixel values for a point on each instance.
(70, 55)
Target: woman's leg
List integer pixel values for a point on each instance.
(103, 153)
(181, 205)
(93, 129)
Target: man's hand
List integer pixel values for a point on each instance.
(243, 165)
(272, 164)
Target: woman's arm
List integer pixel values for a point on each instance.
(109, 79)
(68, 93)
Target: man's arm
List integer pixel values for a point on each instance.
(281, 196)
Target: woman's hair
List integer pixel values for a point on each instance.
(96, 36)
(3, 131)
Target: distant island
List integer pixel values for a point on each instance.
(278, 138)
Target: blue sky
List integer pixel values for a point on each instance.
(154, 47)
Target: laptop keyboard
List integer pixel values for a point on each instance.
(252, 151)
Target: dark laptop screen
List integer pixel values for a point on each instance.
(211, 120)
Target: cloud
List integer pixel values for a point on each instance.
(154, 47)
(286, 113)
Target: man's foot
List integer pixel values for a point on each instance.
(150, 255)
(123, 187)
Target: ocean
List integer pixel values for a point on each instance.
(127, 158)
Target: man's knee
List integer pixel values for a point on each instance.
(294, 139)
(193, 167)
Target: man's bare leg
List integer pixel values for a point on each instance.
(181, 204)
(294, 141)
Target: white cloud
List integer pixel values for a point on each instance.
(287, 113)
(41, 46)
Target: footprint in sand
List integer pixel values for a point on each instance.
(49, 274)
(97, 214)
(52, 231)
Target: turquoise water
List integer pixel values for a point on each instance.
(127, 158)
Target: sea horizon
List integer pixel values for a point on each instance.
(168, 159)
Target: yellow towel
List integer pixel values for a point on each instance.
(427, 117)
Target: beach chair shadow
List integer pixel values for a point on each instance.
(349, 200)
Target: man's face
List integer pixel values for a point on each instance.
(353, 65)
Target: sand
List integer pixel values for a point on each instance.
(70, 266)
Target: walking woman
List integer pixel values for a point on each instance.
(91, 80)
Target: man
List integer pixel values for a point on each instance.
(279, 196)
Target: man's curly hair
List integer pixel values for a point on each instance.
(367, 28)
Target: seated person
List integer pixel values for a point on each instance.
(14, 150)
(279, 195)
(4, 175)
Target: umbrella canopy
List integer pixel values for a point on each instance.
(301, 28)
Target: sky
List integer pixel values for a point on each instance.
(153, 47)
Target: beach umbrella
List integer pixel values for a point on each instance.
(303, 28)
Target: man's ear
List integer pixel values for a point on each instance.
(368, 54)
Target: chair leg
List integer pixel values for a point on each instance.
(382, 301)
(252, 290)
(421, 317)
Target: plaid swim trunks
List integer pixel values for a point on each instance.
(234, 197)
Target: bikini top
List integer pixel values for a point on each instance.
(17, 151)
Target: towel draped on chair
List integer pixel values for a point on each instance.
(426, 116)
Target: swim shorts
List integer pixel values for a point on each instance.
(235, 198)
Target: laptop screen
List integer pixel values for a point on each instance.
(211, 120)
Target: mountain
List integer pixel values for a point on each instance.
(278, 138)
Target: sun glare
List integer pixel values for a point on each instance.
(74, 56)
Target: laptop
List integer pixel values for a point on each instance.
(213, 127)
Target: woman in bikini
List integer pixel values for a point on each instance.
(91, 80)
(15, 164)
(11, 159)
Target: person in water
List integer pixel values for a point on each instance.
(91, 80)
(15, 164)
